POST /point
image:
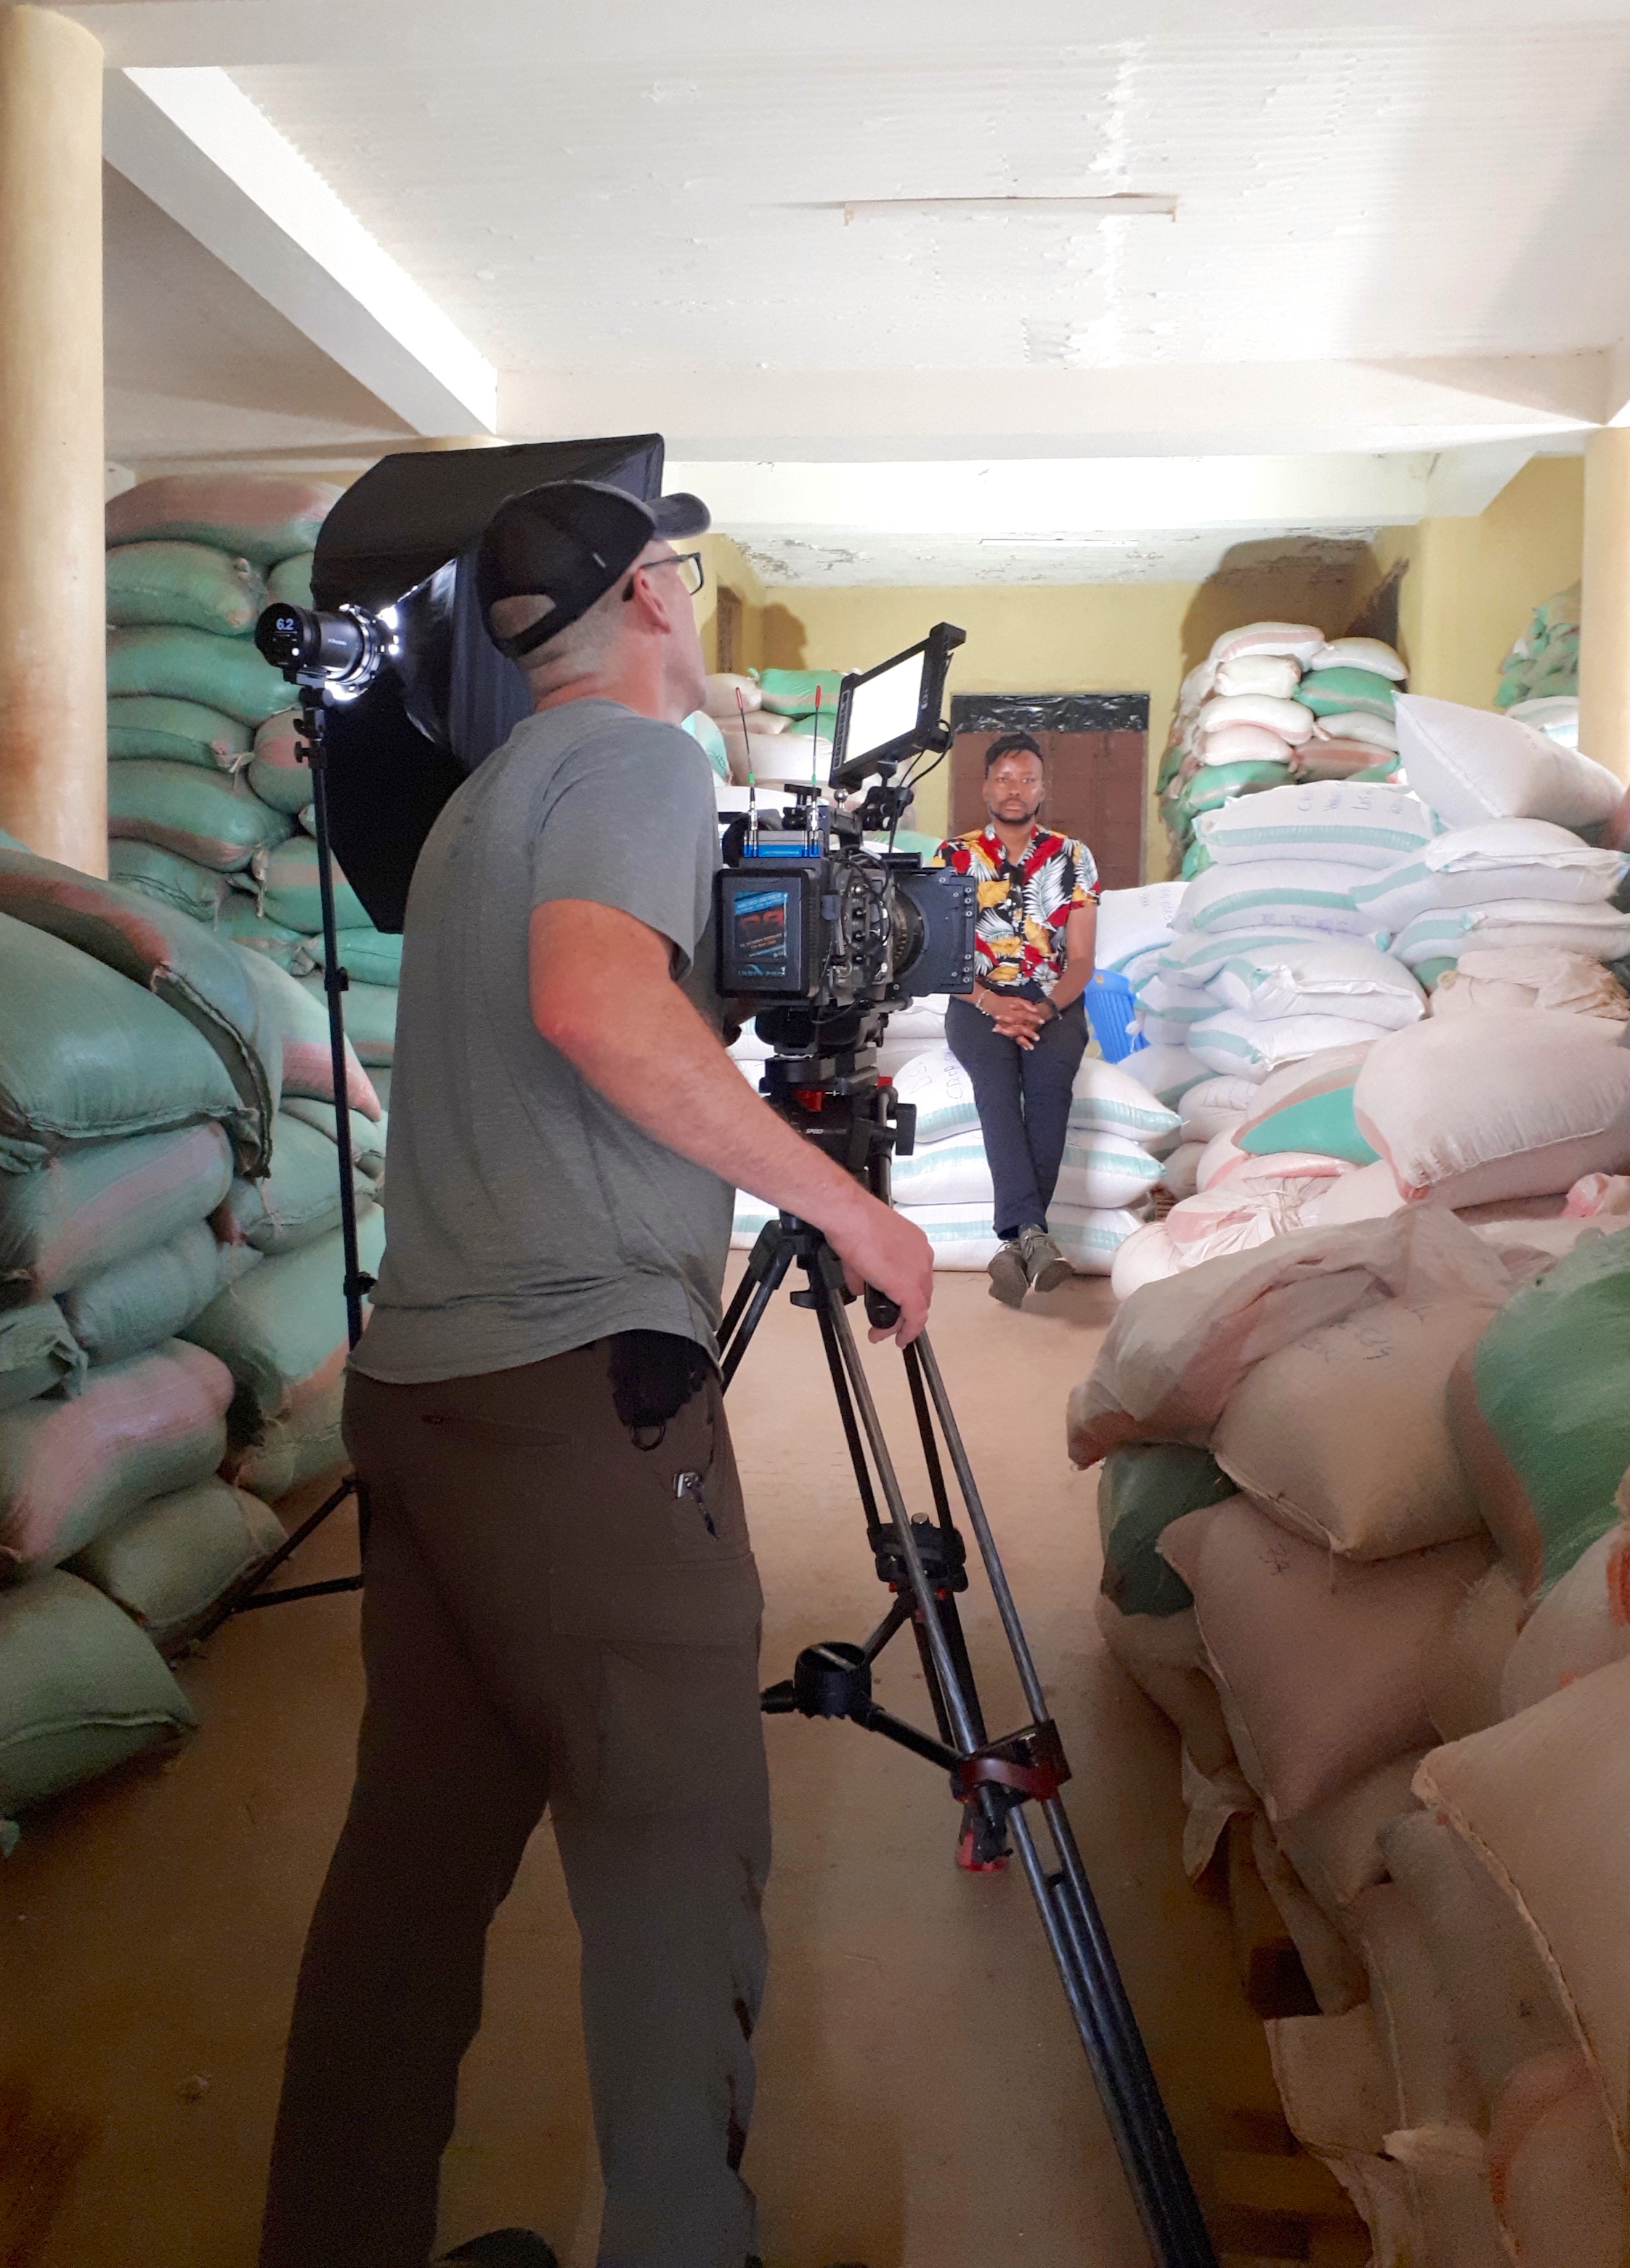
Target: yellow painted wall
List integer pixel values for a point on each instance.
(1472, 583)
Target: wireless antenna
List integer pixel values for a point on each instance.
(752, 784)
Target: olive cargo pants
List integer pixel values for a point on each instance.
(553, 1616)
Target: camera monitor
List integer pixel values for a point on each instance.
(892, 711)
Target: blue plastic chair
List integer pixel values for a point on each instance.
(1111, 1004)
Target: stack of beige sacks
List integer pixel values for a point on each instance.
(1361, 1497)
(1273, 703)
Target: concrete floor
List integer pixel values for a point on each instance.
(923, 2101)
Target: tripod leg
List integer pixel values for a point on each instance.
(735, 1340)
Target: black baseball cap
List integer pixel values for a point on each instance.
(569, 542)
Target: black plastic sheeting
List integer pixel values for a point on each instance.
(1049, 712)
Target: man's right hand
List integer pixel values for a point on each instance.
(881, 1248)
(1016, 1019)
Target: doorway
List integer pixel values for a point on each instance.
(1096, 749)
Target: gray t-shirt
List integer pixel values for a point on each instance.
(524, 1216)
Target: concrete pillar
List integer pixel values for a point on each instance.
(53, 695)
(1605, 625)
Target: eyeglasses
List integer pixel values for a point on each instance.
(693, 578)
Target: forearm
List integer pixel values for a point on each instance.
(655, 1062)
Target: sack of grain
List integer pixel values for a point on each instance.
(1311, 1113)
(1129, 922)
(1285, 893)
(186, 583)
(238, 924)
(1582, 1624)
(169, 1563)
(1321, 976)
(1248, 1047)
(81, 1690)
(183, 665)
(198, 975)
(1352, 823)
(1378, 733)
(38, 1354)
(1335, 1847)
(1141, 1489)
(1472, 1109)
(953, 1172)
(1162, 1656)
(1514, 980)
(153, 1296)
(1241, 743)
(1555, 2169)
(1501, 924)
(1300, 640)
(199, 892)
(1277, 674)
(1174, 1355)
(1148, 1256)
(1216, 1106)
(1165, 1072)
(151, 724)
(85, 1055)
(374, 957)
(1543, 1801)
(283, 883)
(300, 1023)
(261, 518)
(368, 1135)
(278, 771)
(1344, 1436)
(1470, 765)
(1527, 858)
(213, 818)
(70, 1470)
(1373, 654)
(1319, 760)
(1319, 1662)
(963, 1239)
(1180, 1170)
(1338, 691)
(1287, 720)
(72, 1217)
(1541, 1411)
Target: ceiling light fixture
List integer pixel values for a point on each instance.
(1122, 205)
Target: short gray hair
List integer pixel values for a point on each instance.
(578, 651)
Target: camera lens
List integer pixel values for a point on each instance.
(298, 639)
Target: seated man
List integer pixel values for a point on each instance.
(1021, 1033)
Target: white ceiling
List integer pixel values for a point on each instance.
(1394, 238)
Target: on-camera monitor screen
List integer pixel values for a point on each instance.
(884, 707)
(762, 940)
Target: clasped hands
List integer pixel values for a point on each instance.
(1017, 1017)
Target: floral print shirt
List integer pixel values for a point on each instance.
(1024, 905)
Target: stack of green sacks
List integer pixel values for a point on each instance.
(172, 1318)
(1544, 664)
(208, 800)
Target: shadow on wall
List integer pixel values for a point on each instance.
(1321, 579)
(781, 636)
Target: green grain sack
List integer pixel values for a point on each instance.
(1339, 692)
(86, 1055)
(281, 1333)
(791, 692)
(201, 977)
(212, 818)
(38, 1354)
(149, 1297)
(278, 771)
(285, 888)
(186, 583)
(367, 1134)
(299, 1201)
(1541, 1411)
(262, 518)
(178, 882)
(1196, 858)
(370, 956)
(102, 1202)
(1141, 1491)
(302, 1024)
(1215, 783)
(71, 1470)
(183, 665)
(370, 1017)
(81, 1689)
(709, 740)
(168, 1565)
(1386, 769)
(175, 732)
(239, 923)
(1321, 1124)
(289, 582)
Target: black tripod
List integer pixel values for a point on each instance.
(923, 1563)
(252, 1593)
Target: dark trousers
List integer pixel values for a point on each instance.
(1023, 1095)
(544, 1622)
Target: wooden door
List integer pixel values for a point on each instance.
(1096, 793)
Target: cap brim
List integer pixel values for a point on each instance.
(678, 515)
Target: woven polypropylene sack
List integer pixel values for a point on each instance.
(372, 956)
(1141, 1489)
(81, 1689)
(213, 818)
(368, 1135)
(38, 1354)
(263, 519)
(171, 1563)
(74, 1216)
(154, 1294)
(186, 665)
(86, 1055)
(299, 1020)
(285, 887)
(278, 771)
(197, 891)
(299, 1201)
(1360, 824)
(370, 1016)
(191, 584)
(70, 1470)
(153, 726)
(1472, 765)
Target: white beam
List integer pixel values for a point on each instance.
(194, 143)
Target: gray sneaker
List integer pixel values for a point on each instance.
(1010, 1278)
(1044, 1264)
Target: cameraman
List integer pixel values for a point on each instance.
(562, 1608)
(1021, 1033)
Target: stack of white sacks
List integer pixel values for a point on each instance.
(1273, 703)
(1378, 993)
